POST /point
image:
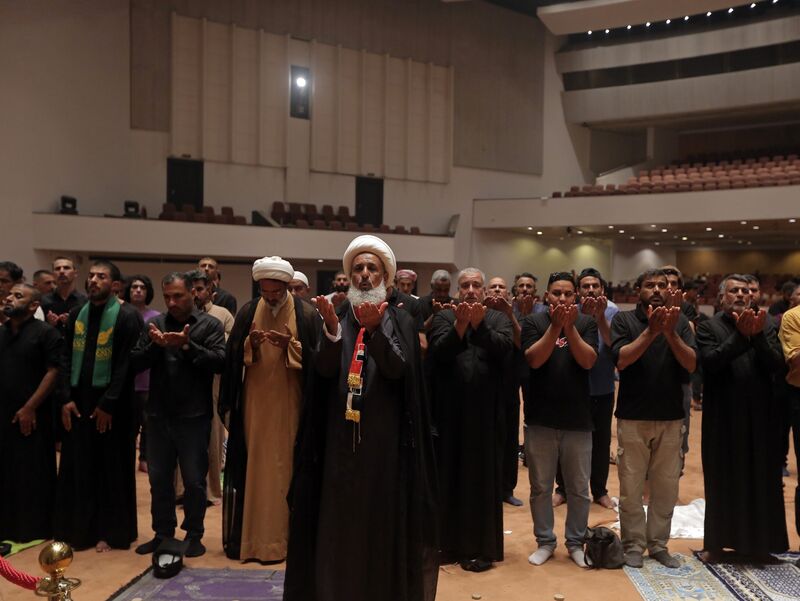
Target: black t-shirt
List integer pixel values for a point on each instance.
(650, 388)
(562, 386)
(53, 302)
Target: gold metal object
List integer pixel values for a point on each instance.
(352, 415)
(54, 560)
(354, 381)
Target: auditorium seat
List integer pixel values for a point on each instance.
(319, 224)
(351, 226)
(556, 194)
(335, 224)
(400, 229)
(414, 230)
(385, 228)
(302, 223)
(239, 220)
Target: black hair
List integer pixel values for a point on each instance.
(173, 276)
(526, 274)
(591, 272)
(560, 276)
(650, 273)
(39, 273)
(113, 270)
(14, 270)
(148, 284)
(675, 272)
(788, 287)
(199, 274)
(750, 278)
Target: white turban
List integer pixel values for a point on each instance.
(374, 245)
(300, 276)
(273, 268)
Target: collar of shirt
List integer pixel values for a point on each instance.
(193, 317)
(207, 307)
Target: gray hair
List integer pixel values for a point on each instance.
(440, 275)
(468, 271)
(732, 276)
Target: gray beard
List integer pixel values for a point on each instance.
(375, 296)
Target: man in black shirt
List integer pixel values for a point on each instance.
(560, 347)
(439, 296)
(183, 348)
(781, 306)
(222, 298)
(654, 350)
(57, 305)
(30, 364)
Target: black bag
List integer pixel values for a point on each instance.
(603, 549)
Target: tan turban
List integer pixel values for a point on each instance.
(273, 268)
(374, 245)
(407, 274)
(301, 277)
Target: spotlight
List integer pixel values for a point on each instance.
(664, 230)
(743, 222)
(686, 18)
(301, 82)
(628, 27)
(792, 220)
(693, 242)
(647, 24)
(658, 243)
(633, 237)
(669, 21)
(708, 229)
(580, 231)
(652, 225)
(708, 14)
(589, 32)
(753, 5)
(720, 235)
(530, 228)
(730, 11)
(622, 231)
(684, 238)
(611, 227)
(606, 31)
(755, 227)
(69, 205)
(539, 233)
(320, 260)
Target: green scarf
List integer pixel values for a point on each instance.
(101, 374)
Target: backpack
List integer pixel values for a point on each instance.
(603, 549)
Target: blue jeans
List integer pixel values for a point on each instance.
(172, 442)
(545, 449)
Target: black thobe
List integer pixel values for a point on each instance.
(28, 463)
(468, 382)
(96, 495)
(232, 396)
(363, 512)
(741, 445)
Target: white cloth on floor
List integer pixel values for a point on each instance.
(687, 520)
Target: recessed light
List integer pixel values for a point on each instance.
(652, 225)
(658, 243)
(606, 30)
(669, 21)
(628, 27)
(633, 237)
(792, 220)
(589, 32)
(622, 231)
(708, 14)
(748, 242)
(693, 242)
(708, 229)
(753, 5)
(684, 238)
(730, 10)
(530, 229)
(647, 24)
(743, 222)
(580, 231)
(664, 230)
(686, 18)
(675, 237)
(741, 241)
(611, 227)
(720, 235)
(320, 260)
(538, 233)
(755, 227)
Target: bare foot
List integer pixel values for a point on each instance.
(102, 547)
(143, 466)
(605, 501)
(558, 499)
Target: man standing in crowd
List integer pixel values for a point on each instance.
(741, 444)
(183, 348)
(525, 293)
(469, 346)
(498, 298)
(439, 296)
(96, 498)
(30, 366)
(139, 293)
(405, 281)
(654, 350)
(222, 298)
(560, 347)
(58, 304)
(10, 275)
(790, 341)
(44, 281)
(782, 305)
(594, 303)
(339, 287)
(267, 364)
(362, 502)
(299, 285)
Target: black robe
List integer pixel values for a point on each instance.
(96, 495)
(363, 512)
(28, 468)
(231, 400)
(741, 447)
(468, 382)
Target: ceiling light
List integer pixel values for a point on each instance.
(320, 260)
(708, 229)
(755, 227)
(633, 237)
(606, 30)
(647, 24)
(658, 243)
(622, 231)
(686, 18)
(628, 27)
(669, 21)
(530, 228)
(589, 32)
(774, 1)
(652, 225)
(792, 220)
(684, 238)
(708, 14)
(300, 82)
(753, 5)
(664, 230)
(743, 222)
(730, 10)
(741, 241)
(693, 242)
(720, 235)
(748, 242)
(539, 233)
(611, 227)
(580, 231)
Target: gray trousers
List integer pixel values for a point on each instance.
(545, 449)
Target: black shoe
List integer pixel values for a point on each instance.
(512, 500)
(475, 565)
(194, 548)
(150, 546)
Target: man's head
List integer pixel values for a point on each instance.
(525, 284)
(65, 271)
(471, 285)
(690, 291)
(440, 286)
(21, 302)
(44, 281)
(674, 277)
(405, 279)
(139, 291)
(299, 285)
(178, 296)
(734, 293)
(560, 289)
(754, 285)
(273, 275)
(788, 289)
(652, 286)
(10, 274)
(103, 280)
(211, 267)
(341, 282)
(202, 288)
(591, 283)
(497, 287)
(371, 265)
(794, 299)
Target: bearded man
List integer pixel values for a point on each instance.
(363, 512)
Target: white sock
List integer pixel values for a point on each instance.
(577, 556)
(541, 555)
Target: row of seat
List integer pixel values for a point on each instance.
(353, 226)
(722, 162)
(170, 212)
(289, 213)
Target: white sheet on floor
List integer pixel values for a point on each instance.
(687, 521)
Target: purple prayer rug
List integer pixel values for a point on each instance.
(750, 582)
(206, 585)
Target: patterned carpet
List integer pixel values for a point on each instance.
(690, 581)
(778, 582)
(208, 585)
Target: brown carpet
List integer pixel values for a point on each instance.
(513, 579)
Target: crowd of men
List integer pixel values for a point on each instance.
(373, 434)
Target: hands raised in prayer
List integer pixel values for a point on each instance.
(501, 304)
(594, 306)
(369, 315)
(476, 314)
(563, 316)
(164, 339)
(275, 338)
(437, 306)
(525, 305)
(673, 297)
(749, 323)
(663, 320)
(328, 313)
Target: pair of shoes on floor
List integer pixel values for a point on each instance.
(634, 559)
(512, 500)
(193, 546)
(475, 565)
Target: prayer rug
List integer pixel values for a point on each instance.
(206, 584)
(690, 581)
(749, 582)
(17, 547)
